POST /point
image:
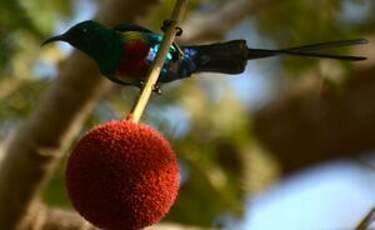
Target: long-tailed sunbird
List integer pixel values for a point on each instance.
(125, 52)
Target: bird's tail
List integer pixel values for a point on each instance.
(231, 57)
(309, 50)
(228, 57)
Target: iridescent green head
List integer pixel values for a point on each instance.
(103, 44)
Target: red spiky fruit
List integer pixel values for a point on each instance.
(122, 175)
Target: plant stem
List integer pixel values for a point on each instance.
(367, 221)
(154, 71)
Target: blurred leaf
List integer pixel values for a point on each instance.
(294, 23)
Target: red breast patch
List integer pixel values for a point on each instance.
(133, 63)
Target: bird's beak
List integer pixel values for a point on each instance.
(54, 39)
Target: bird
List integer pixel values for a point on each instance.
(125, 52)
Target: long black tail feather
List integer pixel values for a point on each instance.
(331, 44)
(231, 57)
(306, 50)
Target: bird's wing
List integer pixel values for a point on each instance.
(150, 36)
(140, 50)
(126, 27)
(150, 39)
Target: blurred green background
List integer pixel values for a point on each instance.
(209, 119)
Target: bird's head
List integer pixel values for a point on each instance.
(80, 35)
(99, 42)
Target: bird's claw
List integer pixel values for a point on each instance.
(156, 89)
(140, 85)
(169, 22)
(180, 31)
(180, 52)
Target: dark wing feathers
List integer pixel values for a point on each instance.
(124, 27)
(129, 27)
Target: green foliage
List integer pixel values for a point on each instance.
(307, 21)
(7, 48)
(44, 13)
(17, 98)
(293, 23)
(165, 10)
(55, 194)
(214, 147)
(30, 18)
(13, 16)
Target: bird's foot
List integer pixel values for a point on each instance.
(180, 31)
(141, 84)
(178, 55)
(180, 51)
(156, 89)
(169, 22)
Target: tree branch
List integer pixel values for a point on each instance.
(157, 65)
(38, 143)
(304, 129)
(55, 218)
(44, 218)
(367, 221)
